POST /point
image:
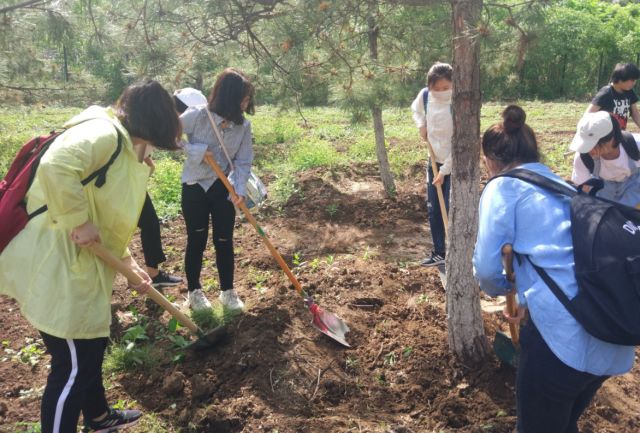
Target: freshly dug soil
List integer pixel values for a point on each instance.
(357, 253)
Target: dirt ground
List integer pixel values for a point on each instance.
(357, 253)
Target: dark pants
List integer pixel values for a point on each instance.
(197, 207)
(150, 235)
(74, 383)
(551, 396)
(436, 225)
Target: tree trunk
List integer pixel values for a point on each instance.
(464, 317)
(381, 152)
(376, 111)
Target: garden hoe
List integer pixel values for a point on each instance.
(443, 208)
(506, 348)
(324, 321)
(203, 341)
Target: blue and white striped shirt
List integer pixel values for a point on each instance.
(238, 141)
(537, 224)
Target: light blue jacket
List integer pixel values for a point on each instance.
(537, 224)
(238, 141)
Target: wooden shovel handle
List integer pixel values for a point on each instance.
(512, 306)
(283, 265)
(111, 260)
(443, 208)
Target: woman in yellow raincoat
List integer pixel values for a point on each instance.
(64, 290)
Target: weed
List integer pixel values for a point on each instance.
(352, 363)
(31, 353)
(332, 209)
(314, 264)
(368, 253)
(422, 299)
(297, 258)
(26, 427)
(390, 359)
(130, 358)
(206, 318)
(407, 351)
(330, 259)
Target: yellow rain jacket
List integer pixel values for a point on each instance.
(63, 289)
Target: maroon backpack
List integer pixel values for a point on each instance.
(14, 186)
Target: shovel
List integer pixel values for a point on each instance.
(203, 341)
(324, 321)
(443, 208)
(506, 348)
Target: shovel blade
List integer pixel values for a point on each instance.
(505, 350)
(206, 340)
(329, 324)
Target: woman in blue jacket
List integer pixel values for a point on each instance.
(561, 366)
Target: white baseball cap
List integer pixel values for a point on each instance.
(190, 97)
(591, 128)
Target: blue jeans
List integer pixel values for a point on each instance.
(436, 225)
(550, 395)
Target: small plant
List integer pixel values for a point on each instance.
(297, 258)
(314, 264)
(422, 299)
(367, 253)
(407, 351)
(31, 353)
(390, 359)
(352, 363)
(332, 209)
(206, 318)
(330, 259)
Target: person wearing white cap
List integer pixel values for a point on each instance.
(188, 97)
(205, 199)
(605, 152)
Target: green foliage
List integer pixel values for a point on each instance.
(165, 187)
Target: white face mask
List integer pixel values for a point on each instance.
(442, 96)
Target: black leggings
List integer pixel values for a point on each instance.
(150, 235)
(197, 206)
(74, 383)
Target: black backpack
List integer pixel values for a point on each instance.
(629, 144)
(606, 249)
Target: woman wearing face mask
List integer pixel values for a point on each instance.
(432, 114)
(63, 289)
(606, 153)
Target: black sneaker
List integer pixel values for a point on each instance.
(163, 280)
(115, 420)
(434, 260)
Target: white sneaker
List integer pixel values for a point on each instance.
(230, 300)
(197, 300)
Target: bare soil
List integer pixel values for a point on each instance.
(358, 254)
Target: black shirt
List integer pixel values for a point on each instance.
(618, 104)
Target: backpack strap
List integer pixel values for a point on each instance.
(588, 162)
(425, 99)
(630, 145)
(550, 185)
(100, 174)
(539, 180)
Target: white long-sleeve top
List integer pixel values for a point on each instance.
(439, 123)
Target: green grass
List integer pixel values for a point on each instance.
(286, 143)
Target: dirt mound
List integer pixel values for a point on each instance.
(356, 252)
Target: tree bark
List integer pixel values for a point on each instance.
(464, 316)
(376, 112)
